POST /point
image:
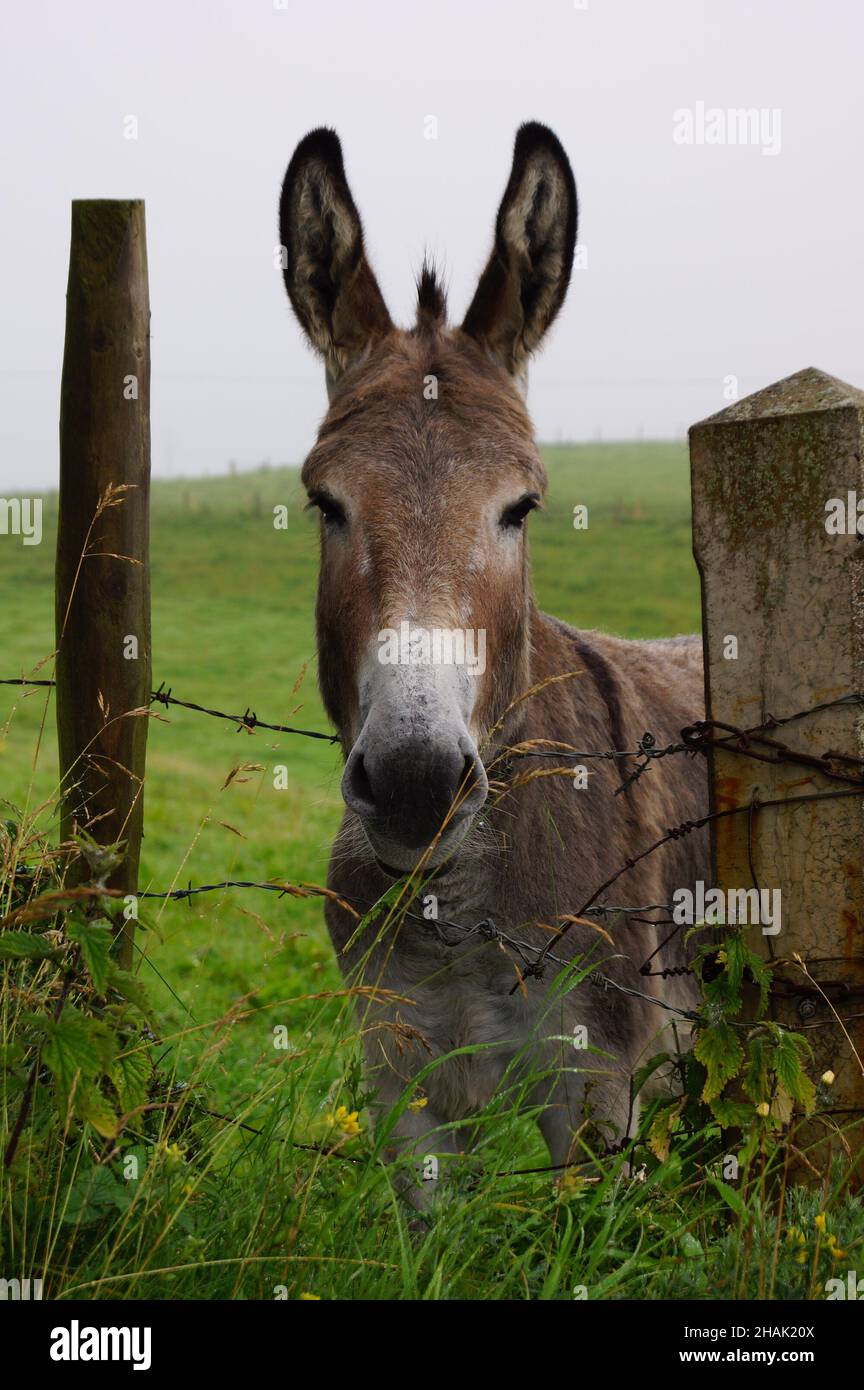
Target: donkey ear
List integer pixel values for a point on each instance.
(526, 278)
(329, 280)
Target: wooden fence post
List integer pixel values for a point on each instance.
(102, 582)
(783, 626)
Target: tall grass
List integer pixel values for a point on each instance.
(202, 1129)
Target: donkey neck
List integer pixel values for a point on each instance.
(574, 690)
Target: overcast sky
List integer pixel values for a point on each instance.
(704, 261)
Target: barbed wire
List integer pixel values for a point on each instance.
(698, 737)
(702, 736)
(695, 738)
(248, 720)
(485, 929)
(489, 931)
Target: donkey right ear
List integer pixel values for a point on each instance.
(526, 276)
(329, 281)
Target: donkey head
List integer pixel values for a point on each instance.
(424, 472)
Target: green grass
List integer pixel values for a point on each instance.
(233, 624)
(231, 1213)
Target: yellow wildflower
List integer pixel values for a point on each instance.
(346, 1120)
(827, 1078)
(820, 1222)
(571, 1184)
(310, 1298)
(417, 1103)
(763, 1109)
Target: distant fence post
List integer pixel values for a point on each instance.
(783, 609)
(102, 581)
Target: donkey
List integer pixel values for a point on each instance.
(425, 471)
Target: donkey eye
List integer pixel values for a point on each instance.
(329, 508)
(513, 517)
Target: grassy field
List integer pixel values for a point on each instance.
(233, 625)
(220, 1211)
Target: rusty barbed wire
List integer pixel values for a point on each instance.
(695, 738)
(485, 929)
(488, 930)
(698, 737)
(677, 832)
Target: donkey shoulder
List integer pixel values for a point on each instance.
(655, 684)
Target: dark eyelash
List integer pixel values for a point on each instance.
(328, 507)
(514, 516)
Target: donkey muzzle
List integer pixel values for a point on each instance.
(411, 790)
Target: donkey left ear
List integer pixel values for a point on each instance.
(526, 277)
(330, 283)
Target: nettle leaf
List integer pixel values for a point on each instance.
(755, 1082)
(95, 940)
(737, 957)
(731, 1114)
(665, 1122)
(133, 990)
(791, 1077)
(719, 990)
(77, 1044)
(131, 1078)
(721, 1053)
(782, 1106)
(92, 1195)
(91, 1105)
(21, 945)
(762, 978)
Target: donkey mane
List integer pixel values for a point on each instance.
(431, 299)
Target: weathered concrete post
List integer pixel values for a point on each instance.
(102, 579)
(783, 625)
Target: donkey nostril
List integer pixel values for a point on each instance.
(468, 781)
(362, 795)
(411, 790)
(362, 785)
(473, 786)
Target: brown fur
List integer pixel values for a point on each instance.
(418, 479)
